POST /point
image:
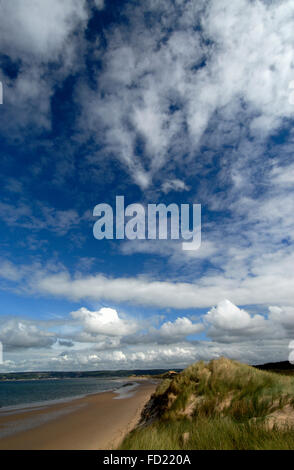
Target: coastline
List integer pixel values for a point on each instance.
(124, 388)
(94, 422)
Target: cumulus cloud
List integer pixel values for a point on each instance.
(16, 333)
(227, 323)
(104, 322)
(227, 320)
(181, 327)
(148, 356)
(170, 332)
(104, 340)
(228, 316)
(283, 316)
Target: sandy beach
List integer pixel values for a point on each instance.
(93, 422)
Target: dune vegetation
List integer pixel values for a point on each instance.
(220, 405)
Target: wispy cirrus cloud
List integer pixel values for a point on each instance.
(40, 217)
(191, 63)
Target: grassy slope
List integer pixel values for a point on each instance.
(220, 405)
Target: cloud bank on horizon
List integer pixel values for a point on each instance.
(178, 101)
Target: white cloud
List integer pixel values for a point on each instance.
(170, 332)
(283, 176)
(35, 35)
(107, 341)
(227, 322)
(170, 249)
(148, 356)
(40, 217)
(269, 281)
(269, 285)
(38, 28)
(229, 317)
(283, 316)
(104, 322)
(16, 333)
(174, 185)
(99, 4)
(9, 271)
(180, 328)
(170, 84)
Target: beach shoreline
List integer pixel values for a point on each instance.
(93, 422)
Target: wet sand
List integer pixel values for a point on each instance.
(90, 423)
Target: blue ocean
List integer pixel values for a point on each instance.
(26, 392)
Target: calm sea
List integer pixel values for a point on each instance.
(15, 393)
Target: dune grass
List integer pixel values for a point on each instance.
(208, 434)
(220, 405)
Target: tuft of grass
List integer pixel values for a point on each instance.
(208, 434)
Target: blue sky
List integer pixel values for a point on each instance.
(161, 102)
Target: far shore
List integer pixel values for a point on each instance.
(119, 377)
(43, 379)
(93, 422)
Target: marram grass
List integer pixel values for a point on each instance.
(221, 405)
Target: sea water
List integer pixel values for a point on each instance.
(19, 393)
